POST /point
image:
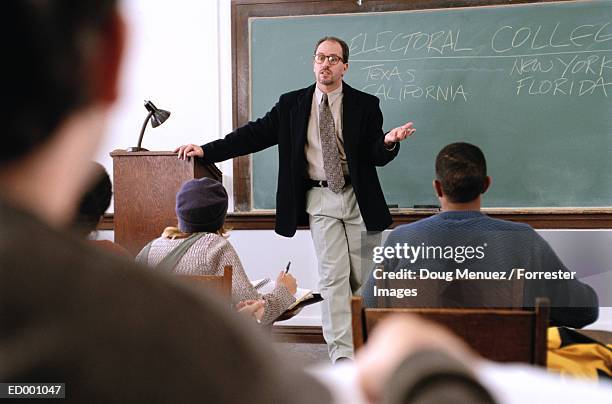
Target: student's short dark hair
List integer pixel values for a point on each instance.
(47, 45)
(461, 168)
(343, 45)
(95, 201)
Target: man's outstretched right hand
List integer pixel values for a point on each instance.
(189, 150)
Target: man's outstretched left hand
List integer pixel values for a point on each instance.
(398, 134)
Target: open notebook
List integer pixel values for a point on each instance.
(303, 297)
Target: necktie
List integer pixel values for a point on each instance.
(329, 146)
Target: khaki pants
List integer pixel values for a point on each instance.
(337, 230)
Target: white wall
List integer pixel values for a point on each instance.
(179, 56)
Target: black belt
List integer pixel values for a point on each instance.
(323, 184)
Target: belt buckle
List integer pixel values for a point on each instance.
(320, 182)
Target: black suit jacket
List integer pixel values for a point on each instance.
(286, 125)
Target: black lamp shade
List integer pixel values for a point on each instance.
(158, 116)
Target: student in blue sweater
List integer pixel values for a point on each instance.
(463, 258)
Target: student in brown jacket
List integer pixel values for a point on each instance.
(72, 314)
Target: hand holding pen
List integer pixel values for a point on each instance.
(287, 280)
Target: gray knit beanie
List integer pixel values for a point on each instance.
(201, 206)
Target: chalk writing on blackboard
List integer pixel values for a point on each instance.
(546, 59)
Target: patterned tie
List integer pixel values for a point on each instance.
(329, 145)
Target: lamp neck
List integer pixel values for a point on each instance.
(144, 126)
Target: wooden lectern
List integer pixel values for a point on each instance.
(145, 186)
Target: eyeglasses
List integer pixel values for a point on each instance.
(332, 59)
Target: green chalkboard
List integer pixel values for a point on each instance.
(530, 84)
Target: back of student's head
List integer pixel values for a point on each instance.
(201, 206)
(461, 169)
(94, 202)
(47, 67)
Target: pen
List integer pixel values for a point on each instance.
(287, 268)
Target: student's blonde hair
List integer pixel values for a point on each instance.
(174, 233)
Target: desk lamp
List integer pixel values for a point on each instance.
(157, 116)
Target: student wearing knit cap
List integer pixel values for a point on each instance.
(201, 206)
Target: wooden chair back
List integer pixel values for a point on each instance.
(220, 283)
(496, 334)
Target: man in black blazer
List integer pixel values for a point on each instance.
(330, 141)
